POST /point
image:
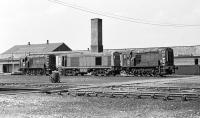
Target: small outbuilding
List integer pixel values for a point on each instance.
(187, 59)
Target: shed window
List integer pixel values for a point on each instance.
(98, 61)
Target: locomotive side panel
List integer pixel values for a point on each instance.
(83, 61)
(154, 59)
(106, 61)
(36, 62)
(149, 59)
(87, 61)
(90, 61)
(95, 60)
(74, 61)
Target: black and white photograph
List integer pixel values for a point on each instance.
(99, 59)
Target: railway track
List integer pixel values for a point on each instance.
(129, 91)
(125, 90)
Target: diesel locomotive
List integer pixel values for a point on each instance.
(144, 62)
(37, 64)
(149, 61)
(89, 63)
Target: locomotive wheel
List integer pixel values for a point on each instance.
(74, 73)
(123, 73)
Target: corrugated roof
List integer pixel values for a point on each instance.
(186, 50)
(33, 48)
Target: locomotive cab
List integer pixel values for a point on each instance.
(37, 64)
(167, 61)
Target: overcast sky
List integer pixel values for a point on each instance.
(36, 21)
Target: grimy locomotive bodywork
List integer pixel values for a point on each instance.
(37, 64)
(155, 61)
(89, 62)
(145, 62)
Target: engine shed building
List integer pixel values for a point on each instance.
(9, 60)
(187, 59)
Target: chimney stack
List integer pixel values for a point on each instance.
(47, 41)
(96, 35)
(29, 43)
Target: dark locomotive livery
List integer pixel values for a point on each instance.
(149, 61)
(37, 64)
(146, 62)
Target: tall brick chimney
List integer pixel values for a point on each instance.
(96, 35)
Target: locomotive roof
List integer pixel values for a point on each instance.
(142, 50)
(89, 53)
(82, 52)
(179, 51)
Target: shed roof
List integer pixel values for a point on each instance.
(186, 50)
(35, 48)
(21, 50)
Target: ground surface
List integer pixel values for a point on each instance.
(42, 105)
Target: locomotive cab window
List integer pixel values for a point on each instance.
(196, 61)
(98, 61)
(64, 61)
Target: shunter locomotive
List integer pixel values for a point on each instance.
(37, 64)
(149, 61)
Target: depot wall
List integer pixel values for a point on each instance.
(187, 66)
